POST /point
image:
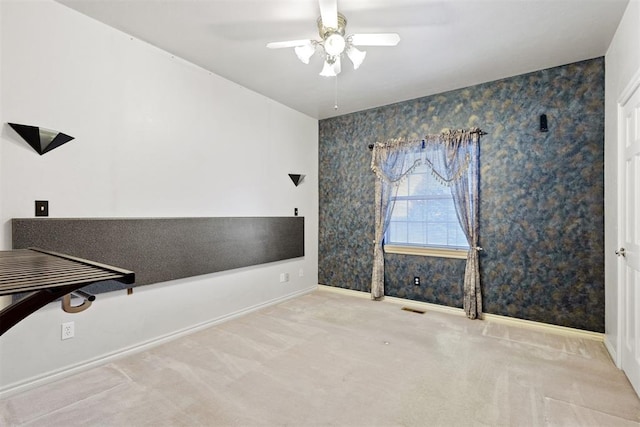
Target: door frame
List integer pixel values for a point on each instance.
(626, 94)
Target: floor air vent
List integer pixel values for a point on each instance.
(413, 310)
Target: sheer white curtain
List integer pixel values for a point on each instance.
(392, 161)
(453, 159)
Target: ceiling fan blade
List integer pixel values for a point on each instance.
(329, 13)
(290, 43)
(381, 39)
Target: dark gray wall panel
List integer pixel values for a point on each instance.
(161, 249)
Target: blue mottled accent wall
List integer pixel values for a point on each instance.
(542, 200)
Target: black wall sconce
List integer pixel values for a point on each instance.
(543, 123)
(40, 139)
(296, 178)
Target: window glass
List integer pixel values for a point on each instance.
(424, 214)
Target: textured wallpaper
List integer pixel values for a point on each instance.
(541, 196)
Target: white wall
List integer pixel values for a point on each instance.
(4, 300)
(155, 137)
(621, 63)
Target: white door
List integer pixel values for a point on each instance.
(629, 226)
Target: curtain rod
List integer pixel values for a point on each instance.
(479, 132)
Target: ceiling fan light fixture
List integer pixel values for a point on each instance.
(334, 44)
(331, 69)
(336, 66)
(327, 70)
(305, 52)
(356, 56)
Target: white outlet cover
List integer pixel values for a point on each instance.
(68, 330)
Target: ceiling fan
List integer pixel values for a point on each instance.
(334, 43)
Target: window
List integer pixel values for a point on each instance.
(424, 216)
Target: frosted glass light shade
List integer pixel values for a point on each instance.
(327, 70)
(334, 44)
(331, 70)
(356, 56)
(305, 52)
(337, 66)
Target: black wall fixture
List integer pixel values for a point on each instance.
(297, 179)
(40, 139)
(543, 123)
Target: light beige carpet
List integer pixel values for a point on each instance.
(330, 359)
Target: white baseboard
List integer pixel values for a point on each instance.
(58, 374)
(612, 351)
(543, 327)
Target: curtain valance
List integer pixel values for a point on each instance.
(394, 159)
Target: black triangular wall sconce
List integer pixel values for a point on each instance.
(296, 178)
(40, 139)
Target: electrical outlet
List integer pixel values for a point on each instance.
(301, 273)
(68, 330)
(416, 281)
(284, 277)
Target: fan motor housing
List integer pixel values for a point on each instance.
(327, 31)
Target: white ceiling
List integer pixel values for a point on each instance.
(444, 45)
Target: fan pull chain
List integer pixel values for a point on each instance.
(335, 97)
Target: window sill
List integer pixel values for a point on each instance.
(422, 251)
